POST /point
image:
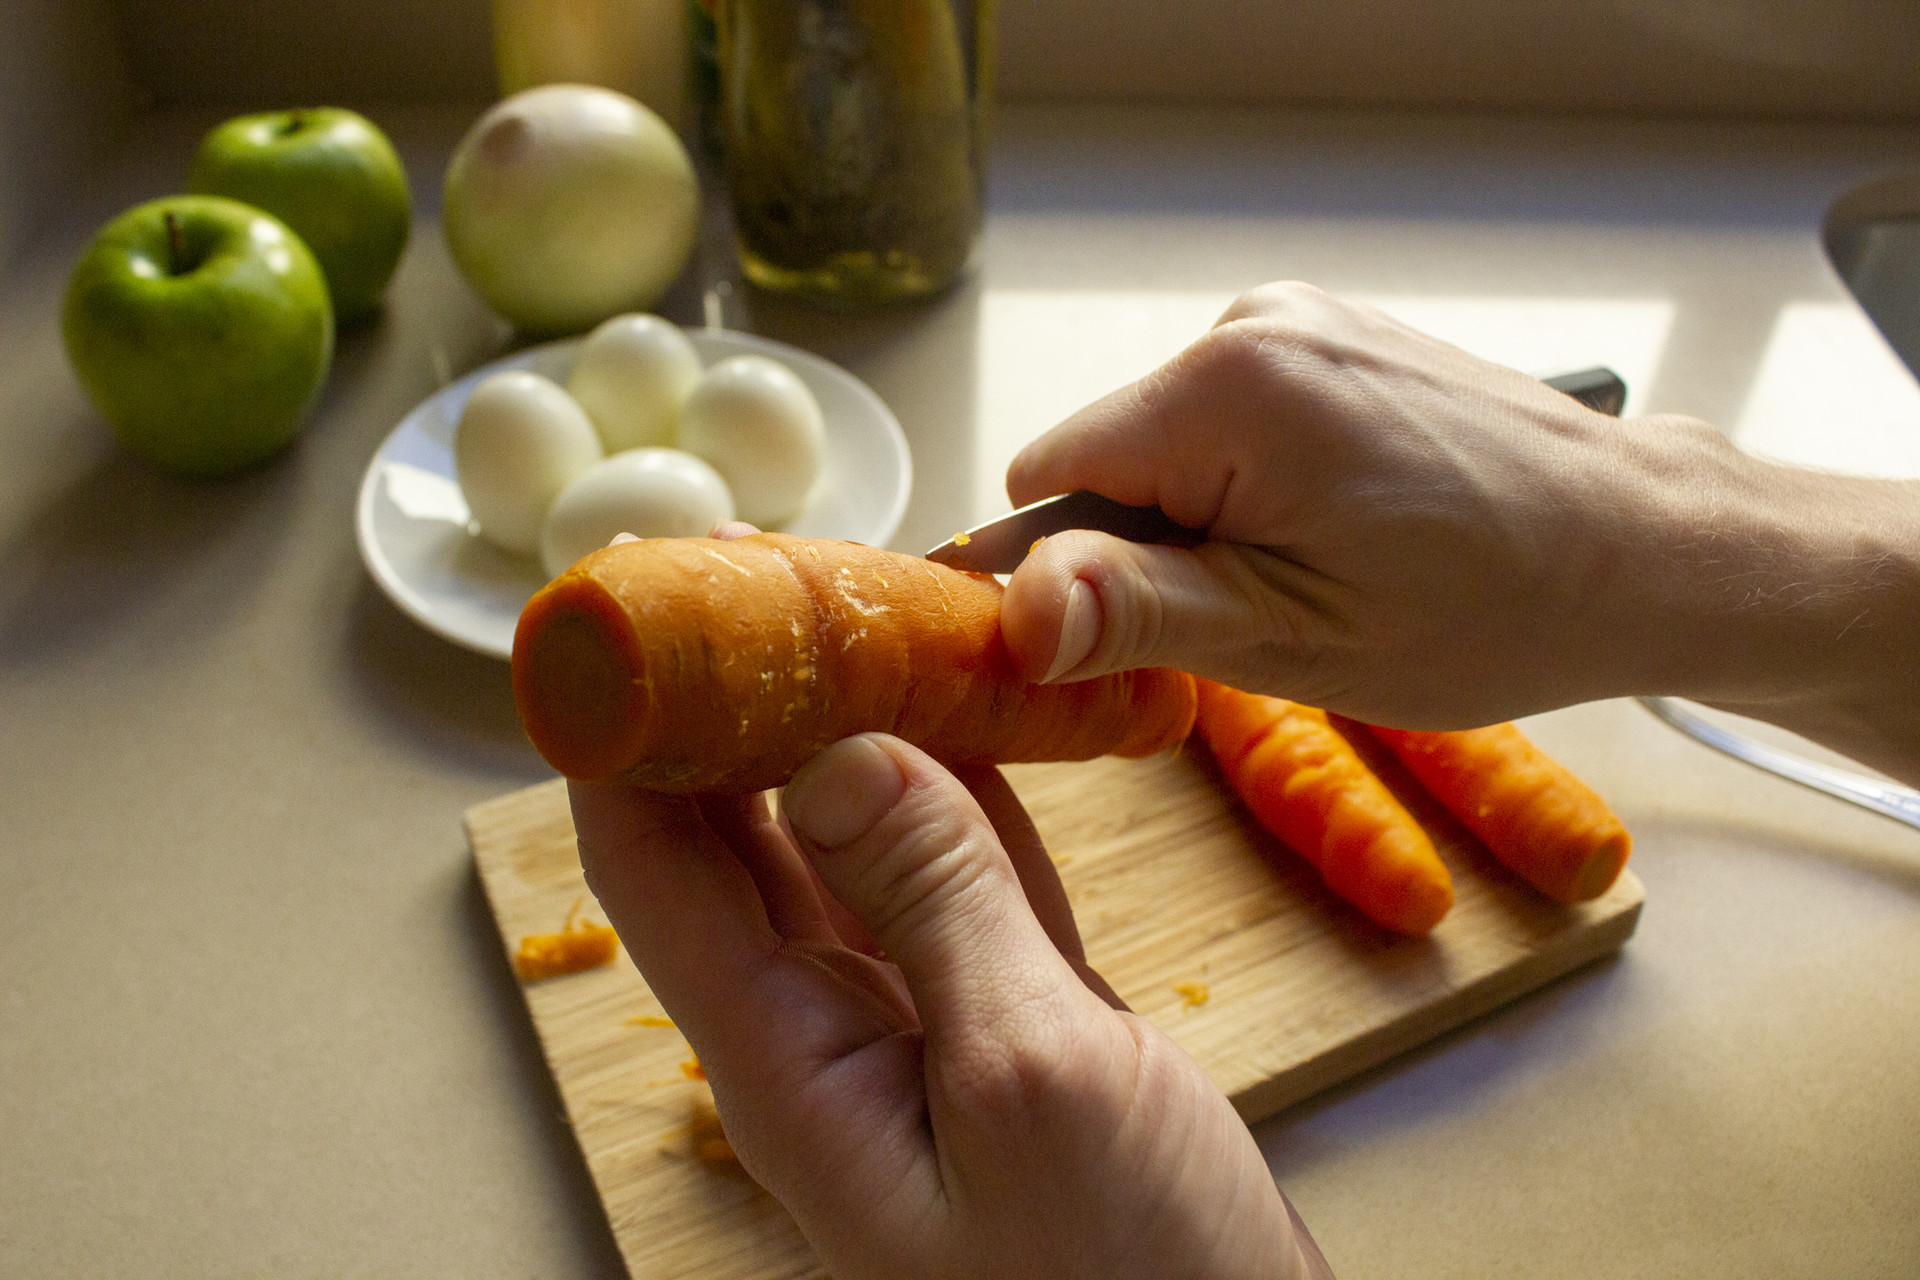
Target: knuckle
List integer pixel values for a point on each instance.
(1243, 355)
(1144, 631)
(1278, 297)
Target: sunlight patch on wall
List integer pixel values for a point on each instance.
(1046, 353)
(1550, 335)
(1832, 394)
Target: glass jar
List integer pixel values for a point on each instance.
(855, 137)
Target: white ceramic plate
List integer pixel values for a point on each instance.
(416, 537)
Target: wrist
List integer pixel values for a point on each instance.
(1789, 595)
(1837, 657)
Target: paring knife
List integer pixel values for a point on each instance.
(999, 545)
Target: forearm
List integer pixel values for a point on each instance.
(1784, 594)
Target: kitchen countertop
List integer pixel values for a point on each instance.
(253, 1014)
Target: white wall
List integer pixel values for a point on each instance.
(1739, 57)
(64, 91)
(1727, 57)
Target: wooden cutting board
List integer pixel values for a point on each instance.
(1173, 885)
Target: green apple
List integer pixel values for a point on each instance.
(200, 328)
(331, 176)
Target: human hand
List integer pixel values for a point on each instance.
(975, 1103)
(1402, 532)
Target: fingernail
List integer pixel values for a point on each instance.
(619, 538)
(840, 794)
(1079, 630)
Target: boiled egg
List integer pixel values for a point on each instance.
(650, 493)
(631, 376)
(520, 440)
(760, 427)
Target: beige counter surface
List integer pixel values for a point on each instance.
(253, 1015)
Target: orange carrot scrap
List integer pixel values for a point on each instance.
(709, 1139)
(1192, 994)
(579, 945)
(1546, 825)
(1307, 785)
(692, 1069)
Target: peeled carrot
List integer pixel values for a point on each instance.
(1307, 785)
(1546, 825)
(690, 664)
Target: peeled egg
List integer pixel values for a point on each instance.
(760, 427)
(631, 376)
(519, 442)
(650, 493)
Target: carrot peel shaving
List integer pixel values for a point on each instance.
(579, 945)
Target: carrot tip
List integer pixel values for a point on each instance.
(1598, 873)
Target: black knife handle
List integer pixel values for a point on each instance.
(1085, 509)
(1598, 388)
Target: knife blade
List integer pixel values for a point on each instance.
(1000, 544)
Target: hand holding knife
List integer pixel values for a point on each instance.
(999, 545)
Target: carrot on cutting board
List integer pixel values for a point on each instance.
(690, 664)
(1546, 825)
(1307, 785)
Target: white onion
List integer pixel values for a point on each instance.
(567, 204)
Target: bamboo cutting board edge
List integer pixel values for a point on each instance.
(1607, 934)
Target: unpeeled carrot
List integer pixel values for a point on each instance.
(1307, 785)
(1546, 825)
(691, 664)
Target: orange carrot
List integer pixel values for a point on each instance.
(689, 664)
(1541, 821)
(1306, 784)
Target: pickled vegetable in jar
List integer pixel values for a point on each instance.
(855, 135)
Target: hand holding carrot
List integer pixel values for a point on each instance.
(887, 991)
(976, 1104)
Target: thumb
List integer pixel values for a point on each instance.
(1084, 604)
(906, 848)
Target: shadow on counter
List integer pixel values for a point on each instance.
(445, 700)
(125, 550)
